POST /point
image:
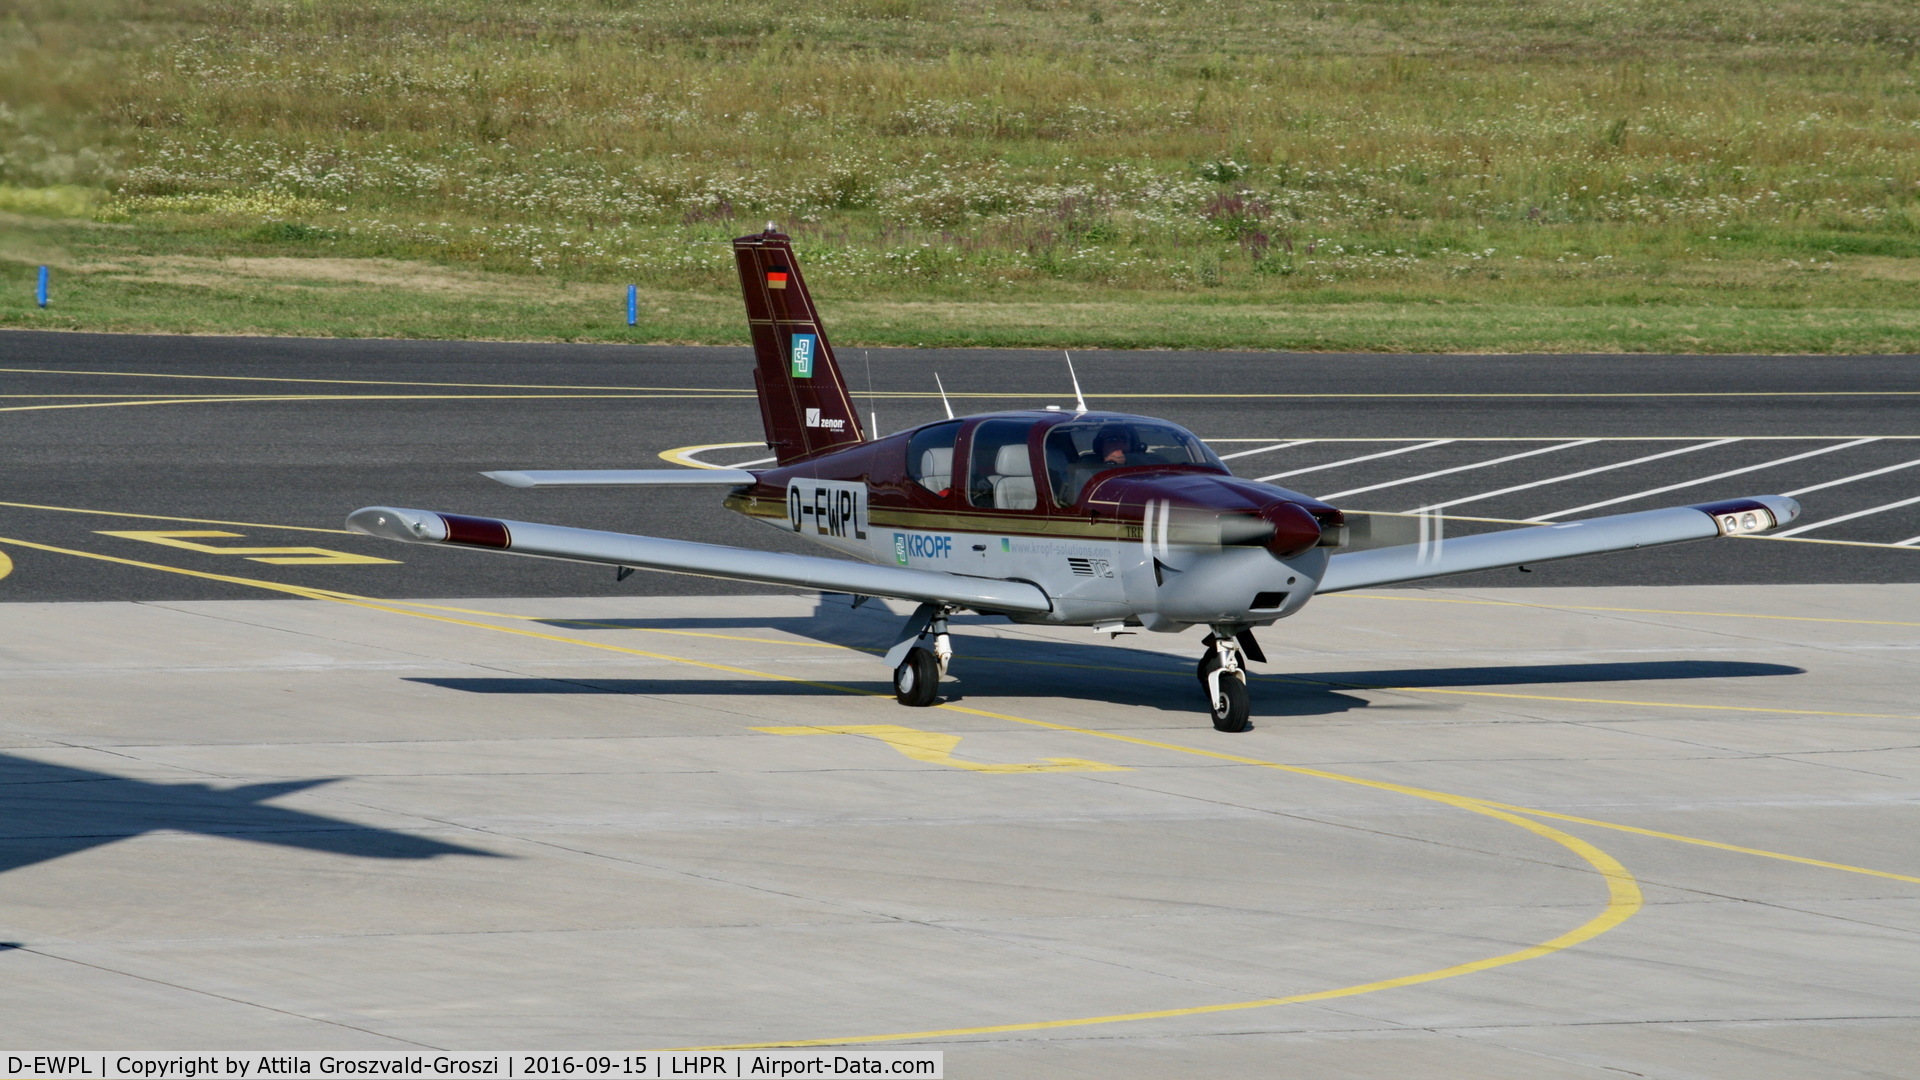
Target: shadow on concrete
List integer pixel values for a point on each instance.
(1158, 681)
(48, 810)
(662, 687)
(989, 667)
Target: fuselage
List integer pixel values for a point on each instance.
(1120, 519)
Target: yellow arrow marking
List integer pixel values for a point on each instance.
(279, 556)
(937, 749)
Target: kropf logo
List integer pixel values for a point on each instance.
(913, 546)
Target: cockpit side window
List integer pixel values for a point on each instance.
(1002, 474)
(1078, 452)
(930, 456)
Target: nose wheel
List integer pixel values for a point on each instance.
(920, 657)
(916, 681)
(1223, 678)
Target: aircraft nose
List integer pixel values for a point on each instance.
(1295, 532)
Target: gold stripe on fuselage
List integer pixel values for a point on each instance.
(946, 521)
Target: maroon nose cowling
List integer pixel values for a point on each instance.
(1295, 532)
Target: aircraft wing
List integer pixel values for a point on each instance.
(622, 478)
(685, 556)
(1544, 543)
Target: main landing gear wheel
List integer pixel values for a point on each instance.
(1231, 707)
(916, 681)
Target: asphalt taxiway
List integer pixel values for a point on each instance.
(256, 792)
(273, 441)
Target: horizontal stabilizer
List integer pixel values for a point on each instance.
(623, 478)
(1441, 556)
(687, 557)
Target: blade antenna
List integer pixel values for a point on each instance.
(1079, 402)
(873, 414)
(943, 395)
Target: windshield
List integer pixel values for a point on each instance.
(1077, 452)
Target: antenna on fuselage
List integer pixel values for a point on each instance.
(1080, 403)
(943, 394)
(873, 414)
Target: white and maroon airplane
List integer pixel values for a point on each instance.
(1075, 518)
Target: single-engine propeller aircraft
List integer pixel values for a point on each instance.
(1061, 518)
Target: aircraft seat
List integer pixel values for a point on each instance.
(1012, 478)
(936, 469)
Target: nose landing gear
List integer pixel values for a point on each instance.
(920, 657)
(1223, 678)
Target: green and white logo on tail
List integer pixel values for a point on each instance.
(804, 346)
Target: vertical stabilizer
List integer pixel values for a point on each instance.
(804, 403)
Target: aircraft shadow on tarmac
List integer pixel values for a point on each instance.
(1029, 667)
(48, 810)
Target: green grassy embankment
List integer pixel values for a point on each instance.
(1573, 175)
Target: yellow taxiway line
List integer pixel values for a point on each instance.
(370, 382)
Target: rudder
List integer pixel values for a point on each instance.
(804, 404)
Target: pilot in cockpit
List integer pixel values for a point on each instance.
(1117, 445)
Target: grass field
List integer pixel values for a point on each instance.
(1566, 175)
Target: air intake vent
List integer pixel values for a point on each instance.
(1267, 601)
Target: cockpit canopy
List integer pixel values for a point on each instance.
(1079, 450)
(999, 473)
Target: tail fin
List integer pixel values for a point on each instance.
(804, 403)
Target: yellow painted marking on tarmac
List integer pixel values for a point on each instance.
(934, 748)
(119, 404)
(1717, 845)
(1625, 610)
(165, 517)
(278, 556)
(6, 565)
(370, 382)
(683, 455)
(1624, 896)
(1648, 704)
(1624, 900)
(373, 604)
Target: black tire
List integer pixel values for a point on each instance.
(1233, 707)
(916, 682)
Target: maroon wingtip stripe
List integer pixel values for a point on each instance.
(477, 531)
